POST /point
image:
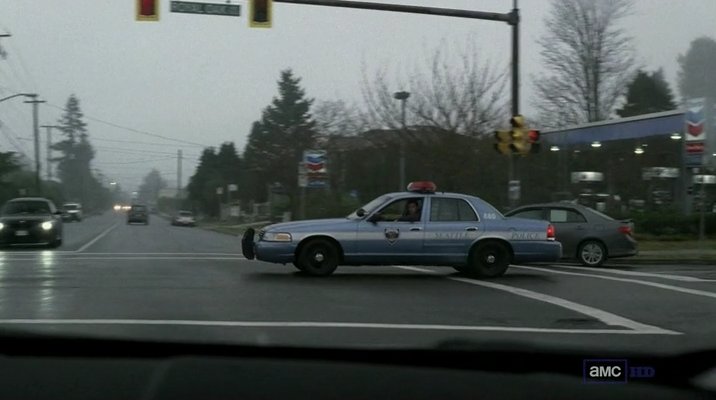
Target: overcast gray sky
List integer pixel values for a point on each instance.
(205, 79)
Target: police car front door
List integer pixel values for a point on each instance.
(391, 235)
(451, 229)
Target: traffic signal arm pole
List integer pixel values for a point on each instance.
(512, 18)
(447, 12)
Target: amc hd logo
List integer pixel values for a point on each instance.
(614, 371)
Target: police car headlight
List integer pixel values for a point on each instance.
(1, 226)
(47, 225)
(277, 237)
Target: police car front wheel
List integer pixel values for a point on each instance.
(488, 260)
(319, 257)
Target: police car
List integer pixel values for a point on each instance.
(448, 229)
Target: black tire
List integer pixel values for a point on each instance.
(318, 257)
(298, 266)
(488, 260)
(592, 253)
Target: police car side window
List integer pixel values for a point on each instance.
(466, 213)
(451, 210)
(396, 210)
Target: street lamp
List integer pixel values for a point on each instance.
(403, 97)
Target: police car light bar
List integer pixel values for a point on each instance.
(422, 187)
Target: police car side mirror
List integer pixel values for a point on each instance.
(360, 212)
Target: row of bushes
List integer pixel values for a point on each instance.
(670, 224)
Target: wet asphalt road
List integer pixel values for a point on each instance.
(162, 282)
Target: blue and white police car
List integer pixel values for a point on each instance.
(416, 227)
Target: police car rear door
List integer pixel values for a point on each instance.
(452, 226)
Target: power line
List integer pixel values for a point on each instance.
(133, 162)
(11, 138)
(133, 130)
(94, 137)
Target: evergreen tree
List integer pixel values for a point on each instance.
(73, 167)
(276, 142)
(697, 66)
(647, 93)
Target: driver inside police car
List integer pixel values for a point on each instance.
(412, 212)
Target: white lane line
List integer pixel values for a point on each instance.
(628, 280)
(43, 253)
(601, 315)
(311, 324)
(680, 278)
(100, 236)
(128, 258)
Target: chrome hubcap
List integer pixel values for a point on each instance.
(318, 257)
(592, 253)
(490, 259)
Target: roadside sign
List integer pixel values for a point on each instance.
(220, 190)
(302, 180)
(190, 7)
(514, 190)
(233, 187)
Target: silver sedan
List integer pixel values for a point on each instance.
(586, 234)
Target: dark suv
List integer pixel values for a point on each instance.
(138, 213)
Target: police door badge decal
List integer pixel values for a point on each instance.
(392, 234)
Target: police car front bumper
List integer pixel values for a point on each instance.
(275, 252)
(536, 251)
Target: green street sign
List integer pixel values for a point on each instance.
(188, 7)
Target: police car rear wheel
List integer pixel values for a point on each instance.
(318, 258)
(488, 260)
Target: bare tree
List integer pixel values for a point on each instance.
(588, 58)
(456, 94)
(336, 118)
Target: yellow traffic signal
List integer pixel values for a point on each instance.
(260, 13)
(147, 10)
(503, 142)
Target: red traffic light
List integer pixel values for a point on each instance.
(533, 136)
(147, 10)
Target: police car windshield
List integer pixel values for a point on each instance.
(368, 208)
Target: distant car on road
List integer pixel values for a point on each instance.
(30, 220)
(587, 235)
(72, 212)
(416, 227)
(138, 213)
(184, 218)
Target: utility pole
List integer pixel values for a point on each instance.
(512, 161)
(403, 97)
(36, 134)
(49, 149)
(179, 160)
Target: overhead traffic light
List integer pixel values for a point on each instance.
(503, 141)
(519, 139)
(533, 136)
(147, 10)
(260, 13)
